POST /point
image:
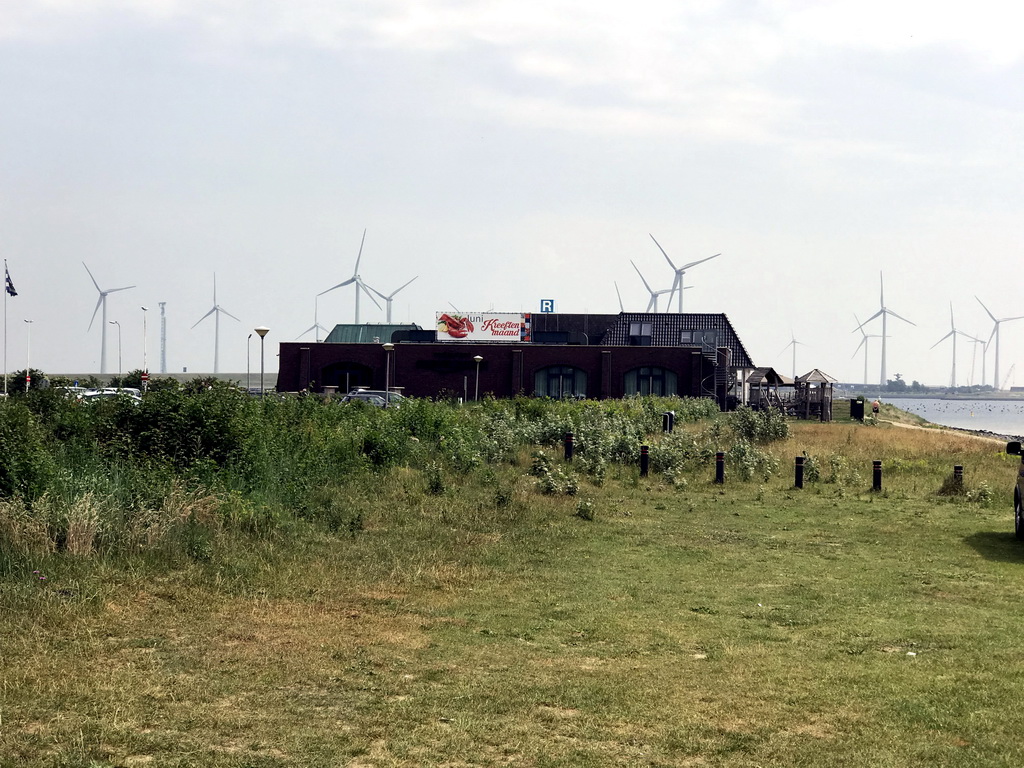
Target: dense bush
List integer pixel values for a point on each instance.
(171, 473)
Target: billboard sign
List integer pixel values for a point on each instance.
(483, 326)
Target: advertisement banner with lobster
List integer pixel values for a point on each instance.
(483, 326)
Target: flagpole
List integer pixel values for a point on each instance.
(6, 273)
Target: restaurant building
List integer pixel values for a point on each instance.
(507, 354)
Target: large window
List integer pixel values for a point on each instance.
(651, 381)
(640, 334)
(560, 381)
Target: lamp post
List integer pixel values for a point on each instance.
(387, 372)
(118, 324)
(145, 350)
(476, 392)
(28, 358)
(262, 330)
(248, 383)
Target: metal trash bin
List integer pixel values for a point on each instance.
(857, 408)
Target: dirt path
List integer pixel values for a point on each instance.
(950, 430)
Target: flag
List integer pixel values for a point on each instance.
(10, 285)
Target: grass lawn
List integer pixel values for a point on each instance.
(685, 625)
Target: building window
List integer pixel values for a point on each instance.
(640, 334)
(560, 381)
(686, 337)
(651, 381)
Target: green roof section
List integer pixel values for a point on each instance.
(369, 333)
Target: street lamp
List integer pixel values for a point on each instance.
(262, 330)
(476, 393)
(115, 322)
(387, 372)
(28, 358)
(248, 384)
(145, 350)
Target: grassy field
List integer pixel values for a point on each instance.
(469, 619)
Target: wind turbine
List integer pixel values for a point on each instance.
(793, 344)
(863, 343)
(953, 332)
(677, 284)
(216, 310)
(316, 323)
(102, 302)
(653, 303)
(974, 359)
(621, 308)
(995, 332)
(357, 281)
(388, 299)
(883, 312)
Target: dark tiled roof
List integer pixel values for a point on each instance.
(667, 328)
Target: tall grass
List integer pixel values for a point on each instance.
(189, 463)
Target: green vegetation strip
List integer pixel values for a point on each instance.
(415, 602)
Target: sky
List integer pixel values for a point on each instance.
(504, 153)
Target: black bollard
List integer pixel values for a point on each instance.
(876, 475)
(958, 475)
(645, 461)
(720, 467)
(799, 471)
(568, 446)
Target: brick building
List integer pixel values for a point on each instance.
(558, 355)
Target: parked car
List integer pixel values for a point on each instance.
(95, 395)
(1014, 449)
(377, 397)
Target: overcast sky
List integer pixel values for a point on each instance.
(507, 152)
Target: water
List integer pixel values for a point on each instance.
(1003, 417)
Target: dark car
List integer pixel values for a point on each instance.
(1014, 449)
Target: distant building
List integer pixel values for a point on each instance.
(554, 355)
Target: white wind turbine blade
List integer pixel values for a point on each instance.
(398, 289)
(860, 327)
(933, 346)
(339, 285)
(621, 308)
(91, 277)
(366, 290)
(99, 301)
(898, 317)
(699, 261)
(986, 310)
(214, 309)
(359, 255)
(224, 311)
(648, 287)
(663, 253)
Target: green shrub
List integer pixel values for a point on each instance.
(27, 465)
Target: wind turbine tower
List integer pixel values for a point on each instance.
(316, 322)
(677, 283)
(652, 305)
(883, 312)
(357, 281)
(390, 298)
(102, 302)
(793, 344)
(953, 333)
(163, 337)
(995, 332)
(217, 310)
(863, 343)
